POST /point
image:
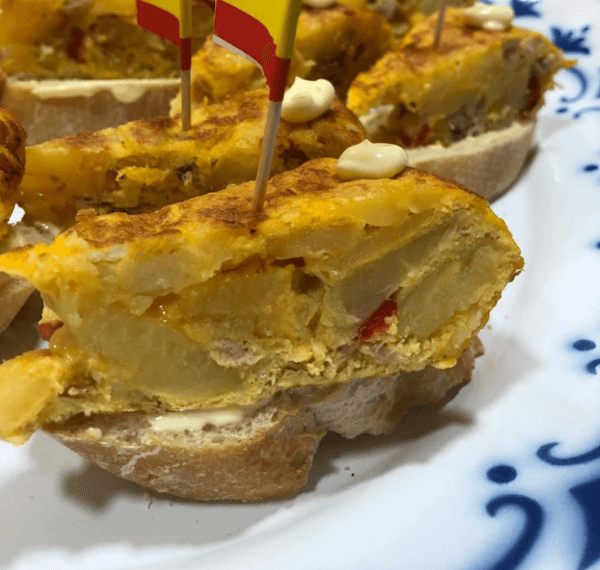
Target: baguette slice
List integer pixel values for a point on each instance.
(14, 292)
(259, 454)
(488, 164)
(54, 108)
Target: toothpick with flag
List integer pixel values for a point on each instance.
(262, 31)
(172, 19)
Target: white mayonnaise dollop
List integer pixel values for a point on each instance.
(306, 100)
(371, 160)
(195, 421)
(490, 18)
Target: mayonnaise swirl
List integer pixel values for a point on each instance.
(306, 100)
(490, 18)
(371, 160)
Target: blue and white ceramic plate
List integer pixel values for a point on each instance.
(506, 476)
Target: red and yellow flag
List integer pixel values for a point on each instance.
(262, 31)
(171, 19)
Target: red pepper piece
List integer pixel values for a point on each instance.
(74, 45)
(376, 322)
(420, 139)
(48, 328)
(533, 97)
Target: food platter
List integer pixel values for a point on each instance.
(506, 476)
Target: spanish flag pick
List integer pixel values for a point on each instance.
(172, 19)
(262, 31)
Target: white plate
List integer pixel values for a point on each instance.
(473, 487)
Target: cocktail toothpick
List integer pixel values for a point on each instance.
(440, 23)
(172, 19)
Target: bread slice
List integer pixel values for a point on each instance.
(14, 292)
(488, 164)
(13, 295)
(54, 108)
(203, 304)
(262, 453)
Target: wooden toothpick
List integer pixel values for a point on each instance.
(185, 56)
(266, 155)
(440, 23)
(186, 99)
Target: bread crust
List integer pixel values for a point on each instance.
(15, 292)
(13, 295)
(487, 164)
(50, 109)
(270, 455)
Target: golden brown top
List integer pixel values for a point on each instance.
(32, 20)
(147, 164)
(231, 208)
(341, 41)
(402, 15)
(12, 164)
(311, 195)
(414, 59)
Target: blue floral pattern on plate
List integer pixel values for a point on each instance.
(586, 494)
(526, 8)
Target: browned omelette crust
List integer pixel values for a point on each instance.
(404, 14)
(475, 81)
(12, 164)
(419, 54)
(342, 41)
(225, 209)
(416, 53)
(335, 44)
(147, 164)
